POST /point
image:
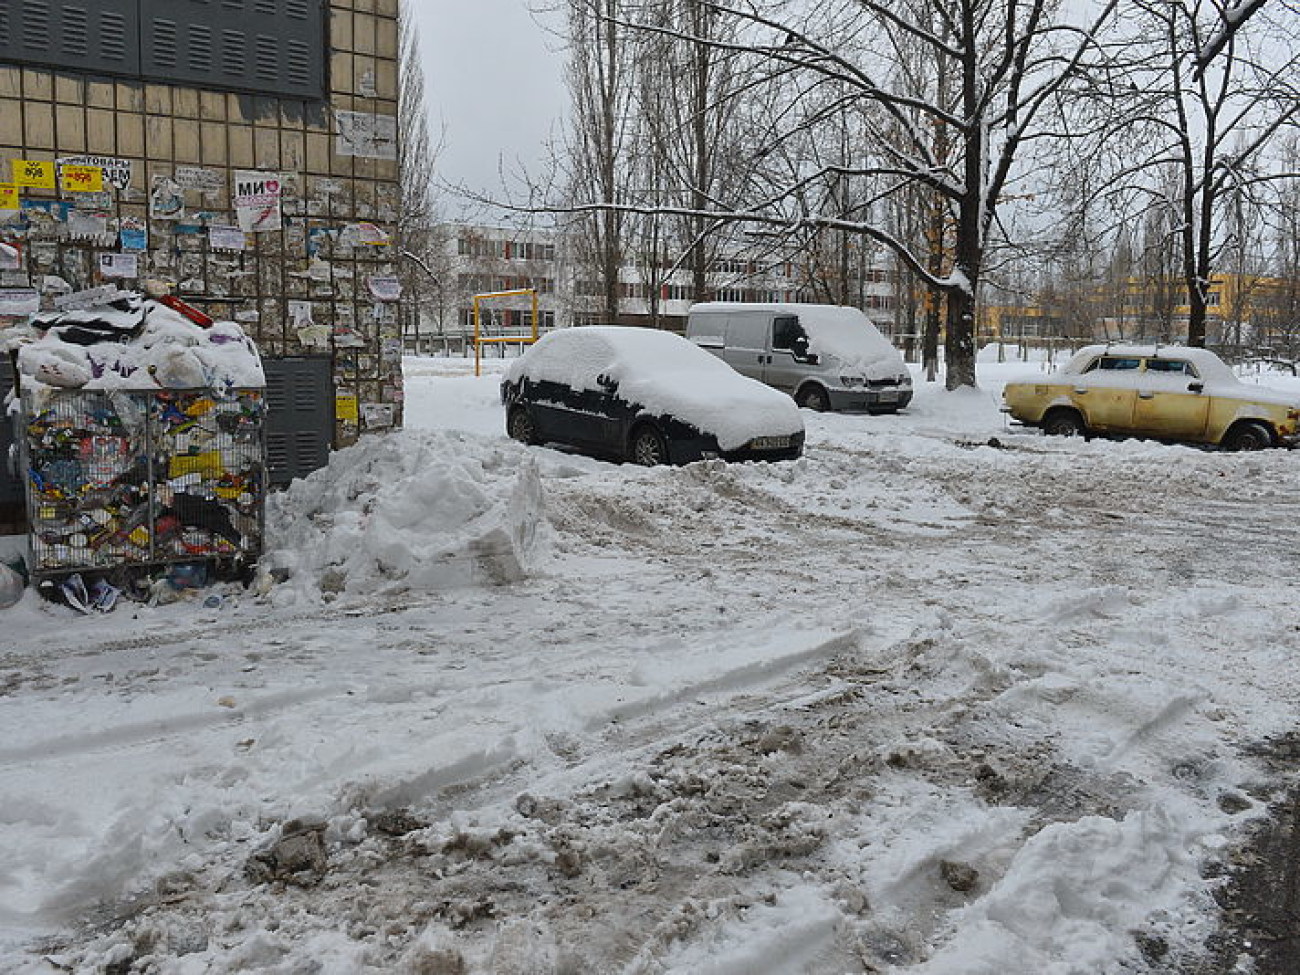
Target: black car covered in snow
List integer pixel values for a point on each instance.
(646, 396)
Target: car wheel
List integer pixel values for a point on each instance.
(1248, 436)
(1064, 423)
(814, 398)
(520, 426)
(648, 447)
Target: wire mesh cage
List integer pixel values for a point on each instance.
(131, 478)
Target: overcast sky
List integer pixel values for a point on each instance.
(495, 85)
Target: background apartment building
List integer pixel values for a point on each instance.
(238, 154)
(477, 259)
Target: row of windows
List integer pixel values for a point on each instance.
(488, 283)
(506, 319)
(510, 250)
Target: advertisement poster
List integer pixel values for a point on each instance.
(166, 201)
(86, 224)
(81, 179)
(114, 172)
(311, 333)
(222, 238)
(366, 136)
(384, 287)
(30, 172)
(257, 201)
(8, 196)
(133, 234)
(197, 178)
(365, 234)
(345, 407)
(376, 416)
(119, 265)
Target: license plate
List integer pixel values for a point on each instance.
(769, 443)
(888, 395)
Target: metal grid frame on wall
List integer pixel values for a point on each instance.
(123, 478)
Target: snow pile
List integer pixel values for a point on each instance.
(135, 343)
(665, 374)
(942, 698)
(409, 511)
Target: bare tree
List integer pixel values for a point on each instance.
(1232, 18)
(1008, 61)
(419, 244)
(600, 78)
(1213, 114)
(1278, 333)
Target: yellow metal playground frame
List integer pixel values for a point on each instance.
(481, 340)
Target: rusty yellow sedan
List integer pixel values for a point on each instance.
(1161, 392)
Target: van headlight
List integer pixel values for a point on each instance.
(849, 382)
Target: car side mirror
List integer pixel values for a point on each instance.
(1195, 387)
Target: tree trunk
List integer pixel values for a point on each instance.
(959, 343)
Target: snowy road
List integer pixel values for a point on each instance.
(917, 703)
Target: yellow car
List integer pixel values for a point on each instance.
(1162, 392)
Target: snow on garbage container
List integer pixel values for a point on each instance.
(142, 431)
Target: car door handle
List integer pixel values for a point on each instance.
(1145, 394)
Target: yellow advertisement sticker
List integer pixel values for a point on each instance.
(345, 407)
(82, 179)
(8, 196)
(33, 173)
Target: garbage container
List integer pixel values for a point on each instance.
(134, 478)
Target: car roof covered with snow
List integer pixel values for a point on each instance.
(1208, 365)
(664, 374)
(834, 330)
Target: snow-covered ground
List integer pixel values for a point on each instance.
(944, 697)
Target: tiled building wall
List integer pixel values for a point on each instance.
(320, 285)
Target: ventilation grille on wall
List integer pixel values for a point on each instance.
(272, 47)
(100, 36)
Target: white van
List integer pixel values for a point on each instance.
(825, 356)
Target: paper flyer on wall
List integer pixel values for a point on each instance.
(166, 201)
(114, 171)
(222, 238)
(365, 136)
(133, 232)
(385, 287)
(257, 201)
(119, 265)
(197, 178)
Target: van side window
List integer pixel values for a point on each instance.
(787, 332)
(1115, 363)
